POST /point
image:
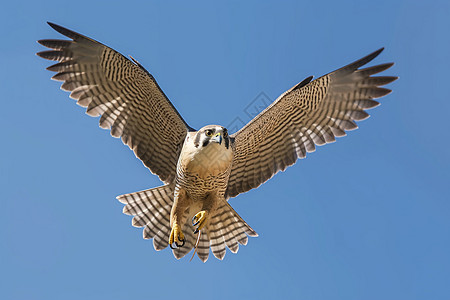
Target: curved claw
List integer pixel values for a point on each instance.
(183, 242)
(194, 223)
(176, 235)
(200, 219)
(176, 244)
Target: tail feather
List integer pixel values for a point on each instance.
(227, 228)
(203, 246)
(234, 235)
(151, 208)
(160, 221)
(217, 240)
(155, 216)
(230, 239)
(161, 240)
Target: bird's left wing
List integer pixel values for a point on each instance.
(126, 96)
(311, 113)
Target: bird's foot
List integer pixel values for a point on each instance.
(199, 220)
(176, 236)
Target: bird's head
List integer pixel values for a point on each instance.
(207, 151)
(212, 135)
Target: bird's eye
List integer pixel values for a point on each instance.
(209, 132)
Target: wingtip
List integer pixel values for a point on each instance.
(60, 29)
(388, 66)
(302, 83)
(67, 32)
(360, 62)
(375, 54)
(53, 25)
(41, 54)
(41, 42)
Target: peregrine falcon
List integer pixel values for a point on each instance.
(202, 169)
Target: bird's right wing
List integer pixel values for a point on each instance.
(311, 113)
(124, 94)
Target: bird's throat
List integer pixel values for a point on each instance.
(212, 160)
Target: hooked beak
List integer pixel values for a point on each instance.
(217, 138)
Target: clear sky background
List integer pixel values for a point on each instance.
(367, 217)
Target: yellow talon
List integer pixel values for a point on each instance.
(176, 236)
(200, 220)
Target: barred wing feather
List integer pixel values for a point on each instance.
(309, 114)
(124, 94)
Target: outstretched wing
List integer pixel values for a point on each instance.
(311, 113)
(124, 94)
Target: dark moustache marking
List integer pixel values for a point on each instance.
(205, 142)
(225, 137)
(197, 140)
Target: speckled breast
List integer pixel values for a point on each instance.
(199, 184)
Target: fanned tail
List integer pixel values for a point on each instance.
(151, 209)
(225, 229)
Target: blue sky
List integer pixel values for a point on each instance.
(364, 218)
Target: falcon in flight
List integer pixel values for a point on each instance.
(202, 169)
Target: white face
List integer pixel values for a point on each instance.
(208, 151)
(212, 134)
